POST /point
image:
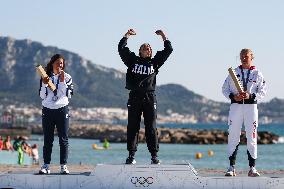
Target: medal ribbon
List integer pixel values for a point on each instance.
(57, 83)
(245, 82)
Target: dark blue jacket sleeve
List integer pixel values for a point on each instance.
(125, 54)
(161, 56)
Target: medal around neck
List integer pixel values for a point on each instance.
(55, 98)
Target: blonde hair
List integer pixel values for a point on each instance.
(247, 51)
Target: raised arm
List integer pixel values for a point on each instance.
(161, 56)
(125, 54)
(162, 34)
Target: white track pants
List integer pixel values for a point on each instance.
(240, 114)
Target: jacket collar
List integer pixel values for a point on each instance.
(251, 68)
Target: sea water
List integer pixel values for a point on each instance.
(270, 156)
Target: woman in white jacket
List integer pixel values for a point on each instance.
(55, 111)
(243, 110)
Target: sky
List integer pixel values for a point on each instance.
(206, 35)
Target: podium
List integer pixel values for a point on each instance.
(145, 176)
(181, 176)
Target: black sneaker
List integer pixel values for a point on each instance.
(155, 160)
(130, 160)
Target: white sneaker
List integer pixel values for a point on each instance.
(231, 172)
(253, 172)
(44, 169)
(64, 170)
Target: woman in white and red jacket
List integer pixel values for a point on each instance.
(243, 110)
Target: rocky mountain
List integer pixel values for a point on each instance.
(274, 110)
(179, 99)
(95, 85)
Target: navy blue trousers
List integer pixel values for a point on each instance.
(58, 118)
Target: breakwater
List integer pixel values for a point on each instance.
(117, 133)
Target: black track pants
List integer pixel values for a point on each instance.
(139, 103)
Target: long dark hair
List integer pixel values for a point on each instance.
(49, 67)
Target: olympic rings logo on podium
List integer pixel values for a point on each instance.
(142, 181)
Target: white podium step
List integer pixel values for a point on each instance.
(136, 176)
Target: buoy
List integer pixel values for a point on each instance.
(96, 147)
(198, 155)
(210, 153)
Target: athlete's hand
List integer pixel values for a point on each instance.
(45, 80)
(161, 33)
(61, 75)
(245, 95)
(129, 33)
(238, 97)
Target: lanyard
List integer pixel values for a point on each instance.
(57, 83)
(245, 82)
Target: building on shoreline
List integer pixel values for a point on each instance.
(13, 124)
